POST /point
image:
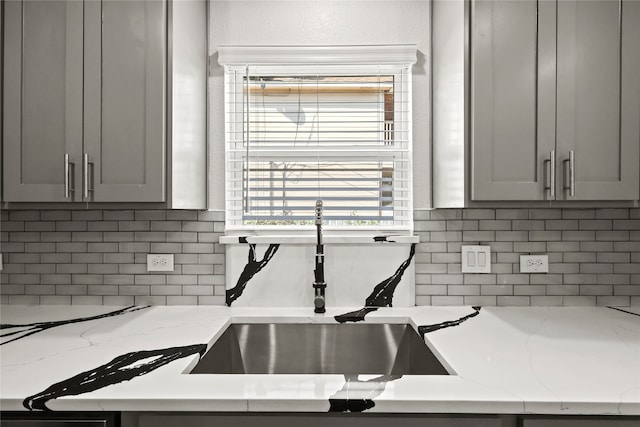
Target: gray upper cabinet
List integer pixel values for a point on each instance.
(555, 100)
(42, 100)
(509, 142)
(84, 101)
(125, 100)
(598, 107)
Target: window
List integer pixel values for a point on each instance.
(298, 132)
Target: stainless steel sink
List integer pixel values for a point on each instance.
(285, 348)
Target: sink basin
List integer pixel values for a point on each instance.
(286, 348)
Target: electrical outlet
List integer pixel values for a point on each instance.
(476, 259)
(534, 263)
(159, 262)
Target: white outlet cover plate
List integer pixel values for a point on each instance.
(159, 262)
(476, 259)
(534, 263)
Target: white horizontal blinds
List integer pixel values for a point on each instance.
(297, 134)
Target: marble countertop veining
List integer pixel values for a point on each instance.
(506, 360)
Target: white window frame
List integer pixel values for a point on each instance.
(361, 60)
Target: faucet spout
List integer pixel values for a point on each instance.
(319, 285)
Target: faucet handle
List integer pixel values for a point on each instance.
(319, 306)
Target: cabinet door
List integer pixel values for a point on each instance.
(512, 98)
(598, 103)
(579, 421)
(124, 109)
(42, 99)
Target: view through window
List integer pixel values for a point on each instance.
(339, 135)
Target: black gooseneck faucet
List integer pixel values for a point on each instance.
(319, 285)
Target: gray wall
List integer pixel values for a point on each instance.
(99, 257)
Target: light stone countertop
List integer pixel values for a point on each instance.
(530, 360)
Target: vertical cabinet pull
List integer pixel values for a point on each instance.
(69, 167)
(552, 180)
(551, 161)
(85, 177)
(571, 161)
(66, 175)
(572, 173)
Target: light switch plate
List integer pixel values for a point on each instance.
(476, 259)
(159, 262)
(534, 263)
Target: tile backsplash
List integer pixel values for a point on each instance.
(99, 257)
(594, 256)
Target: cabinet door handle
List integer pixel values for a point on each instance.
(572, 173)
(552, 180)
(85, 177)
(66, 175)
(69, 168)
(552, 174)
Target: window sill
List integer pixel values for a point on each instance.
(326, 239)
